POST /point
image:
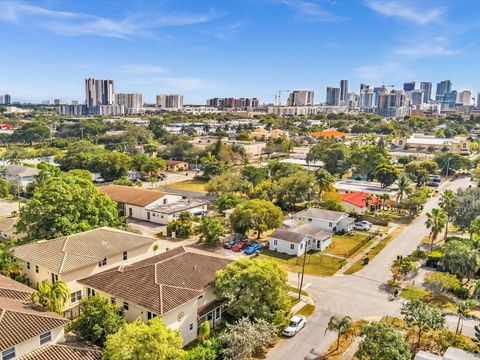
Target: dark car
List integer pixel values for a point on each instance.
(228, 244)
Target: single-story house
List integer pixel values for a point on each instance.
(152, 205)
(73, 257)
(174, 165)
(176, 285)
(332, 221)
(296, 240)
(24, 175)
(355, 202)
(452, 353)
(29, 332)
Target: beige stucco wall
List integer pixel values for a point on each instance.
(34, 343)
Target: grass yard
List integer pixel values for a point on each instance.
(306, 311)
(316, 262)
(433, 298)
(190, 185)
(295, 290)
(343, 245)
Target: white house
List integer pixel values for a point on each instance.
(152, 205)
(21, 175)
(332, 221)
(176, 285)
(298, 239)
(76, 256)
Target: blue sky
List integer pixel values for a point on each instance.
(203, 48)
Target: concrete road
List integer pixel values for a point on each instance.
(361, 295)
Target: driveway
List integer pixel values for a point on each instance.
(7, 207)
(172, 178)
(361, 295)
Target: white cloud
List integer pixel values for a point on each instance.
(310, 11)
(389, 71)
(404, 10)
(141, 69)
(76, 24)
(226, 32)
(432, 48)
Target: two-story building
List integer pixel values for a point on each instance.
(176, 285)
(20, 175)
(152, 205)
(77, 256)
(328, 220)
(29, 332)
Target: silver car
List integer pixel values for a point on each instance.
(297, 323)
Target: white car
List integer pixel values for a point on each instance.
(363, 225)
(297, 323)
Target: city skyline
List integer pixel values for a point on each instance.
(193, 48)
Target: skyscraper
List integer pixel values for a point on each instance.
(409, 86)
(478, 100)
(443, 87)
(1, 100)
(426, 87)
(301, 98)
(7, 100)
(465, 98)
(343, 90)
(450, 99)
(416, 96)
(170, 101)
(99, 92)
(333, 96)
(133, 103)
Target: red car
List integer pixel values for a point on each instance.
(239, 246)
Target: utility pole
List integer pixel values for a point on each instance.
(81, 131)
(448, 166)
(303, 272)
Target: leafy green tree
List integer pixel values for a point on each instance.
(204, 331)
(419, 172)
(254, 174)
(422, 316)
(8, 263)
(15, 154)
(228, 183)
(335, 157)
(211, 229)
(266, 190)
(52, 296)
(4, 188)
(207, 350)
(448, 203)
(137, 340)
(296, 189)
(387, 174)
(340, 326)
(460, 259)
(31, 132)
(278, 170)
(229, 201)
(441, 281)
(66, 205)
(436, 220)
(246, 338)
(112, 164)
(153, 165)
(467, 207)
(79, 155)
(454, 161)
(256, 214)
(474, 227)
(414, 202)
(402, 266)
(98, 319)
(382, 342)
(366, 159)
(212, 166)
(183, 226)
(463, 308)
(254, 288)
(325, 181)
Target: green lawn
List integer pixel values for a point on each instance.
(433, 298)
(316, 262)
(295, 290)
(415, 293)
(342, 245)
(190, 185)
(306, 311)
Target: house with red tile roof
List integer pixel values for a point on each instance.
(357, 202)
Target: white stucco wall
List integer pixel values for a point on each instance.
(34, 343)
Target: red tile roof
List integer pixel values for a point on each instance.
(328, 133)
(358, 199)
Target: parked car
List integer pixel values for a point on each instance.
(99, 180)
(239, 246)
(363, 225)
(252, 248)
(228, 244)
(433, 184)
(161, 176)
(297, 323)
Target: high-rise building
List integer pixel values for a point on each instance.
(416, 96)
(57, 102)
(7, 100)
(465, 98)
(352, 101)
(300, 98)
(170, 101)
(409, 86)
(392, 104)
(426, 87)
(133, 102)
(73, 110)
(99, 92)
(75, 102)
(46, 102)
(443, 87)
(243, 104)
(363, 86)
(333, 96)
(478, 100)
(1, 100)
(366, 100)
(450, 99)
(343, 90)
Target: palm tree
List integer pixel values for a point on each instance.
(448, 202)
(325, 180)
(384, 198)
(474, 227)
(436, 220)
(341, 326)
(52, 296)
(404, 187)
(368, 198)
(463, 309)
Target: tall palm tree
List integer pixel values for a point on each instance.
(368, 199)
(384, 197)
(436, 220)
(448, 202)
(52, 296)
(463, 309)
(341, 326)
(404, 187)
(325, 180)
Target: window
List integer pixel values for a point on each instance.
(90, 292)
(200, 297)
(45, 338)
(36, 269)
(102, 263)
(113, 300)
(125, 306)
(8, 354)
(151, 315)
(54, 278)
(275, 242)
(125, 255)
(130, 212)
(218, 312)
(330, 224)
(309, 241)
(301, 245)
(191, 326)
(148, 215)
(76, 296)
(310, 219)
(164, 201)
(28, 265)
(292, 246)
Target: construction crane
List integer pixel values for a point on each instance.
(278, 96)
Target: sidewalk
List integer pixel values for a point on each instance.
(366, 250)
(304, 300)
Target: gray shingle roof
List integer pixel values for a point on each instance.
(20, 170)
(316, 213)
(76, 251)
(298, 233)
